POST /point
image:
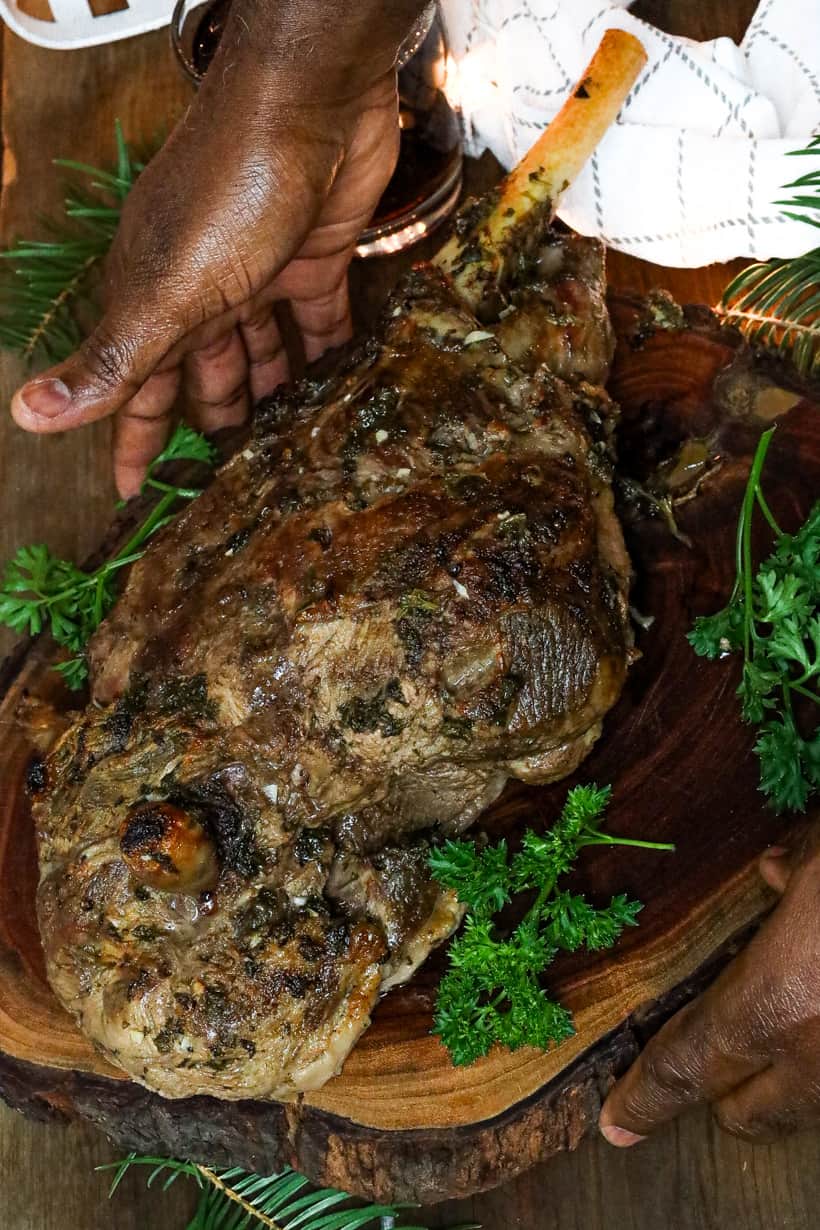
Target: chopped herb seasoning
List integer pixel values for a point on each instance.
(167, 1036)
(322, 535)
(309, 845)
(369, 714)
(417, 601)
(457, 728)
(375, 414)
(36, 776)
(509, 688)
(237, 541)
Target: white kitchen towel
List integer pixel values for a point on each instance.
(691, 171)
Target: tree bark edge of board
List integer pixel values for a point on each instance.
(419, 1166)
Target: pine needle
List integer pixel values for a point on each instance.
(47, 286)
(811, 180)
(235, 1199)
(776, 303)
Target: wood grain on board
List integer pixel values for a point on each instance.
(59, 490)
(401, 1121)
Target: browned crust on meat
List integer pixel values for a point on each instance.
(408, 587)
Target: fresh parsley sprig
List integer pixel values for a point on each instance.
(492, 990)
(773, 619)
(39, 590)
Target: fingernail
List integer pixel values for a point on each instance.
(48, 399)
(775, 852)
(620, 1137)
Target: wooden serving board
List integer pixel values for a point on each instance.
(401, 1121)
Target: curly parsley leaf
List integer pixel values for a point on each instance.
(788, 770)
(492, 992)
(480, 877)
(40, 591)
(773, 619)
(576, 924)
(186, 445)
(74, 672)
(713, 636)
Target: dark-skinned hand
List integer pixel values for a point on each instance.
(749, 1046)
(259, 195)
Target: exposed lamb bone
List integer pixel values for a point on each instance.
(552, 164)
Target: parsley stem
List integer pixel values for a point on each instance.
(745, 538)
(807, 692)
(88, 579)
(544, 893)
(741, 521)
(98, 597)
(149, 525)
(604, 839)
(128, 555)
(184, 493)
(787, 700)
(767, 512)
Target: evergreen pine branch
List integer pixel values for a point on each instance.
(776, 303)
(811, 180)
(46, 286)
(235, 1199)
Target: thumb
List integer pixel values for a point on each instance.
(776, 866)
(779, 865)
(110, 367)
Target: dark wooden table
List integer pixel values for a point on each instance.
(58, 490)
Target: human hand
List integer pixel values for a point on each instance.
(259, 195)
(750, 1045)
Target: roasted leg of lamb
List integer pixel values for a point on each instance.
(409, 587)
